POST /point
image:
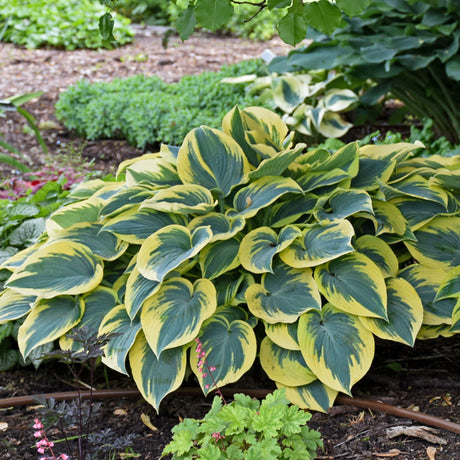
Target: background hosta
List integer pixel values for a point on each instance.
(256, 246)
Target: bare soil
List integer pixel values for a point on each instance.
(427, 378)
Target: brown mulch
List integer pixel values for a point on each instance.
(429, 375)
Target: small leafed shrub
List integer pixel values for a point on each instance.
(239, 228)
(57, 23)
(146, 111)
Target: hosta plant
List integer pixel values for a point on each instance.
(238, 227)
(311, 103)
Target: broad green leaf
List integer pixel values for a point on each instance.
(319, 243)
(405, 314)
(27, 233)
(223, 227)
(283, 334)
(314, 180)
(8, 357)
(372, 172)
(136, 225)
(262, 193)
(186, 22)
(323, 16)
(380, 253)
(182, 199)
(259, 246)
(48, 320)
(352, 7)
(438, 243)
(117, 321)
(453, 68)
(138, 290)
(287, 212)
(345, 158)
(219, 257)
(450, 286)
(155, 378)
(337, 348)
(388, 218)
(58, 268)
(167, 248)
(212, 14)
(284, 366)
(354, 284)
(292, 28)
(426, 281)
(284, 295)
(314, 396)
(125, 199)
(14, 305)
(230, 348)
(345, 203)
(173, 316)
(152, 171)
(212, 159)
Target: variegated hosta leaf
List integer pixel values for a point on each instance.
(212, 159)
(103, 244)
(138, 290)
(388, 217)
(372, 172)
(447, 180)
(426, 281)
(455, 327)
(405, 314)
(283, 334)
(314, 180)
(124, 165)
(438, 243)
(380, 253)
(354, 284)
(333, 125)
(284, 366)
(136, 225)
(287, 212)
(345, 203)
(337, 348)
(152, 171)
(450, 286)
(219, 257)
(314, 396)
(167, 248)
(58, 268)
(173, 316)
(284, 295)
(86, 189)
(16, 260)
(14, 305)
(231, 289)
(288, 92)
(155, 378)
(119, 286)
(74, 213)
(398, 151)
(223, 227)
(230, 347)
(182, 199)
(49, 320)
(259, 246)
(126, 199)
(346, 159)
(338, 100)
(263, 192)
(428, 331)
(231, 313)
(97, 303)
(125, 330)
(319, 243)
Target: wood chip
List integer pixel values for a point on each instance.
(422, 432)
(431, 452)
(119, 411)
(391, 453)
(3, 426)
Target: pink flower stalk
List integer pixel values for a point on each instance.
(44, 443)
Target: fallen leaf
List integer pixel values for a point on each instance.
(391, 453)
(431, 452)
(422, 432)
(3, 426)
(147, 422)
(120, 411)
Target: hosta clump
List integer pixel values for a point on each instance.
(238, 227)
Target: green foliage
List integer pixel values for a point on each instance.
(239, 227)
(146, 111)
(58, 23)
(146, 11)
(246, 428)
(407, 48)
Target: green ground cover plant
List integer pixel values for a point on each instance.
(58, 23)
(256, 246)
(146, 111)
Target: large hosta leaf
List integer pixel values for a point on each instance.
(223, 227)
(380, 253)
(354, 284)
(372, 172)
(212, 159)
(288, 92)
(388, 218)
(283, 334)
(259, 246)
(336, 347)
(438, 243)
(182, 199)
(124, 330)
(219, 257)
(49, 320)
(319, 243)
(284, 295)
(287, 212)
(314, 396)
(455, 327)
(155, 378)
(168, 248)
(230, 348)
(405, 314)
(152, 171)
(284, 366)
(14, 305)
(126, 199)
(345, 203)
(173, 316)
(426, 281)
(263, 192)
(58, 268)
(450, 286)
(138, 289)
